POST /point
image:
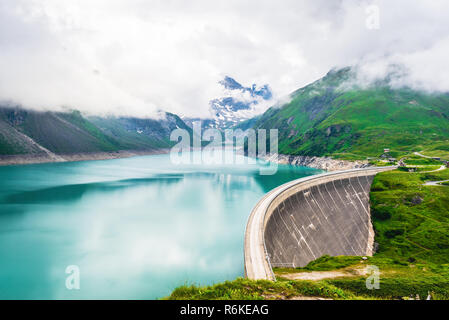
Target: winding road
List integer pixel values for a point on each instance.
(432, 183)
(435, 183)
(421, 155)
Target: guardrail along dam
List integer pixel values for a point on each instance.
(305, 219)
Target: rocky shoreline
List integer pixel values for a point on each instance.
(45, 158)
(322, 163)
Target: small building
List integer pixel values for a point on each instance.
(436, 158)
(392, 159)
(386, 150)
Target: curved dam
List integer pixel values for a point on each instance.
(302, 220)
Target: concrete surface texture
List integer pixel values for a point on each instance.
(305, 219)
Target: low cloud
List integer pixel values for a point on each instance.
(136, 57)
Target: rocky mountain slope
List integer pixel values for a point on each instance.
(57, 136)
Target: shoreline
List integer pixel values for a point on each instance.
(322, 163)
(9, 160)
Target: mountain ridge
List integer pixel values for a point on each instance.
(331, 118)
(28, 136)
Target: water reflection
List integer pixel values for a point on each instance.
(68, 193)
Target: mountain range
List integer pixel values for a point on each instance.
(333, 116)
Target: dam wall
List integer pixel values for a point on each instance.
(302, 220)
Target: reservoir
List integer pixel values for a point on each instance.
(134, 228)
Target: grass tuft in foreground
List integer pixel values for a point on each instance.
(245, 289)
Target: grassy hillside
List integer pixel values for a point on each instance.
(411, 220)
(12, 142)
(137, 134)
(24, 132)
(330, 117)
(65, 133)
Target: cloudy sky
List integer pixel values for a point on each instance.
(135, 57)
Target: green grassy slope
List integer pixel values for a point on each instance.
(12, 142)
(329, 117)
(137, 134)
(411, 220)
(56, 132)
(61, 133)
(245, 289)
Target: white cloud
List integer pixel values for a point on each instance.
(135, 56)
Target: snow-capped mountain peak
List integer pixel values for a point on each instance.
(238, 103)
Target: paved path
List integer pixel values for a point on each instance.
(435, 183)
(439, 169)
(320, 275)
(432, 183)
(421, 155)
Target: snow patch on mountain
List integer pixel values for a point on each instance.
(239, 103)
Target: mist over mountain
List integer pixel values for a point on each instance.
(135, 57)
(345, 114)
(339, 115)
(238, 104)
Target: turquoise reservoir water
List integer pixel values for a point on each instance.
(136, 228)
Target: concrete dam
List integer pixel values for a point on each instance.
(302, 220)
